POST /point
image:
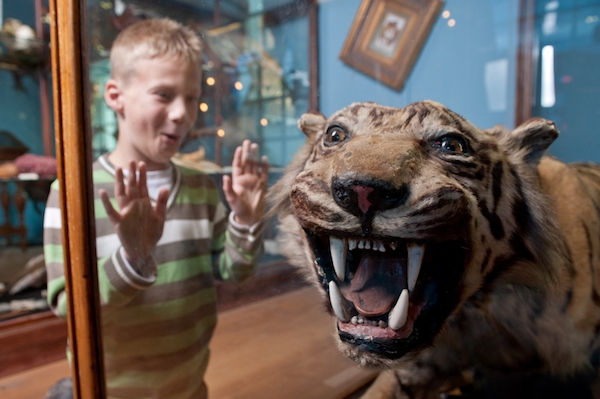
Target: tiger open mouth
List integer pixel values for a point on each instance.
(391, 296)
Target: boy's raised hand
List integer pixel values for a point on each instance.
(246, 188)
(138, 224)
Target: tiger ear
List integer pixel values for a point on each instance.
(311, 124)
(532, 138)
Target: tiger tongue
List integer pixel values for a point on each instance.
(376, 284)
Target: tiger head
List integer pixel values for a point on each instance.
(400, 215)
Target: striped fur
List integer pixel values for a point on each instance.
(510, 279)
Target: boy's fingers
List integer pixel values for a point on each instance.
(253, 152)
(142, 187)
(161, 202)
(237, 161)
(227, 188)
(132, 189)
(119, 184)
(264, 176)
(113, 215)
(253, 159)
(245, 151)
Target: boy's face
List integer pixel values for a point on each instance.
(156, 107)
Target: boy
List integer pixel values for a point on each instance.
(162, 235)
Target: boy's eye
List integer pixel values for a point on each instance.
(163, 95)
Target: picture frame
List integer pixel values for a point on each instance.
(387, 36)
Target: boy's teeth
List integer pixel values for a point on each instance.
(338, 303)
(338, 256)
(415, 257)
(399, 313)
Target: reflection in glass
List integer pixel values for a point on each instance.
(255, 86)
(255, 70)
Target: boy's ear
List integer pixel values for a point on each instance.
(112, 95)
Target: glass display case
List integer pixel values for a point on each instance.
(266, 63)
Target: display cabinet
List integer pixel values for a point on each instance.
(29, 333)
(80, 47)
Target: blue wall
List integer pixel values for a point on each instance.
(20, 109)
(471, 67)
(20, 115)
(451, 67)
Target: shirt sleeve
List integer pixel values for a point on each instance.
(119, 282)
(238, 247)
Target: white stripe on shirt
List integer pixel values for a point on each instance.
(52, 218)
(174, 231)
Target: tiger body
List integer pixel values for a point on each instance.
(442, 248)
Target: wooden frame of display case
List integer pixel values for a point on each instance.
(525, 62)
(73, 150)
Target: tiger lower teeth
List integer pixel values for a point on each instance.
(399, 314)
(361, 320)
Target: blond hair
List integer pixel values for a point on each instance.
(153, 38)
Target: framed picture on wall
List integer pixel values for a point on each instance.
(386, 37)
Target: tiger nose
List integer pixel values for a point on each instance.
(363, 197)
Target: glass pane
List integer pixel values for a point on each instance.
(27, 164)
(479, 58)
(255, 85)
(568, 36)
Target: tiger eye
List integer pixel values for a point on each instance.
(453, 144)
(335, 135)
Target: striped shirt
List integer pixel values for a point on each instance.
(156, 328)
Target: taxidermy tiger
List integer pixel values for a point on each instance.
(448, 254)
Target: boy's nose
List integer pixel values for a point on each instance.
(177, 110)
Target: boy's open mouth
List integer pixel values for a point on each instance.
(172, 138)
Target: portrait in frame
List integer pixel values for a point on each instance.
(386, 37)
